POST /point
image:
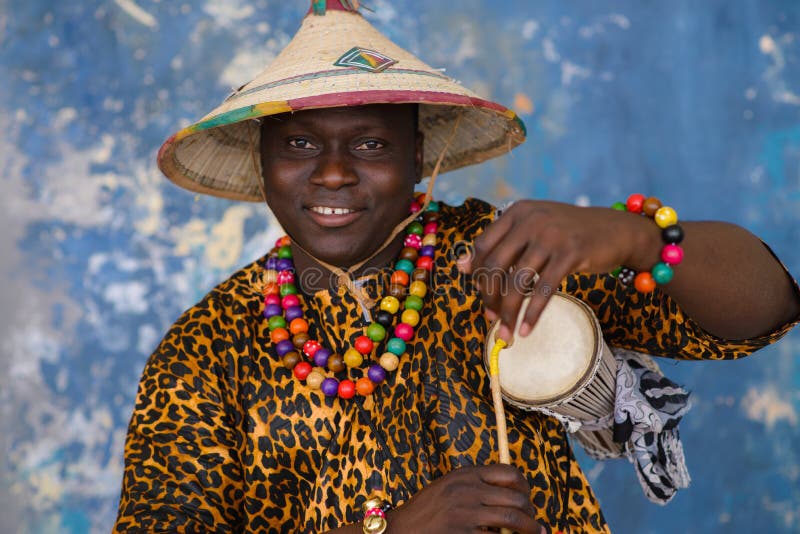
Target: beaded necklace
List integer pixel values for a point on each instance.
(289, 328)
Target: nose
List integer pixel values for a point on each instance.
(334, 171)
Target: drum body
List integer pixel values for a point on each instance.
(563, 368)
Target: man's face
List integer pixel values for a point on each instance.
(340, 179)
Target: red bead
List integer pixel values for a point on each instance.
(672, 254)
(399, 278)
(272, 298)
(415, 207)
(286, 277)
(404, 331)
(413, 241)
(302, 370)
(634, 203)
(363, 344)
(347, 389)
(425, 262)
(644, 282)
(431, 228)
(290, 300)
(311, 347)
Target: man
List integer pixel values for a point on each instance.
(302, 387)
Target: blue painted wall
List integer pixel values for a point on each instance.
(696, 102)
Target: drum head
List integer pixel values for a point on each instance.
(555, 360)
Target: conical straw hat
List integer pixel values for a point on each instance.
(336, 59)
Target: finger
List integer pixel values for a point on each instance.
(548, 283)
(506, 497)
(485, 243)
(506, 476)
(532, 261)
(510, 518)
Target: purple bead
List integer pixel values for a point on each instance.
(321, 357)
(293, 312)
(330, 387)
(272, 309)
(284, 264)
(284, 346)
(272, 263)
(376, 373)
(427, 250)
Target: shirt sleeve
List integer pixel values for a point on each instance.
(182, 471)
(654, 323)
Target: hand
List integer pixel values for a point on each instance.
(552, 240)
(470, 499)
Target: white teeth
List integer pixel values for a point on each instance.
(324, 210)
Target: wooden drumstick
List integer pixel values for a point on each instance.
(499, 410)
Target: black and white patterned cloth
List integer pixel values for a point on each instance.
(647, 410)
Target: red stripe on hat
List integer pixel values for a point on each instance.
(361, 98)
(334, 5)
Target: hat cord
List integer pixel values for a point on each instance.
(343, 276)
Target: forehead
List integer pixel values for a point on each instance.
(377, 115)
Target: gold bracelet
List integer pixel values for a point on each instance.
(374, 516)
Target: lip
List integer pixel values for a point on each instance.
(333, 220)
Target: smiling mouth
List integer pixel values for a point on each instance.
(325, 210)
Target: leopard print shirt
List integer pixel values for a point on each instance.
(225, 439)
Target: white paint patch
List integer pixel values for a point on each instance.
(779, 89)
(765, 405)
(549, 51)
(140, 15)
(229, 13)
(571, 71)
(63, 117)
(147, 339)
(246, 64)
(529, 29)
(127, 297)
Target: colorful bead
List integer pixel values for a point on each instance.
(278, 335)
(353, 358)
(665, 216)
(330, 387)
(321, 357)
(384, 318)
(364, 386)
(298, 325)
(271, 289)
(290, 359)
(284, 264)
(389, 361)
(336, 363)
(272, 310)
(431, 228)
(427, 250)
(290, 301)
(311, 347)
(376, 373)
(409, 253)
(347, 389)
(413, 302)
(314, 379)
(285, 277)
(432, 206)
(413, 241)
(672, 234)
(634, 203)
(399, 278)
(619, 206)
(430, 216)
(302, 370)
(644, 282)
(283, 241)
(404, 331)
(415, 207)
(420, 274)
(272, 263)
(414, 228)
(404, 265)
(396, 346)
(300, 339)
(288, 289)
(363, 344)
(376, 332)
(390, 304)
(410, 317)
(662, 273)
(650, 206)
(429, 240)
(418, 289)
(285, 252)
(292, 313)
(397, 291)
(276, 321)
(672, 254)
(271, 299)
(425, 262)
(626, 276)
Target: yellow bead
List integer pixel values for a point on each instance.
(390, 304)
(665, 216)
(418, 288)
(353, 358)
(429, 239)
(315, 378)
(410, 317)
(270, 276)
(389, 361)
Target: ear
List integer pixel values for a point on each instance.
(419, 155)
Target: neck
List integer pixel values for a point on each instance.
(313, 276)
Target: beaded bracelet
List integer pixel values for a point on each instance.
(671, 233)
(375, 516)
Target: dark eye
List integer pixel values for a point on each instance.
(300, 142)
(370, 144)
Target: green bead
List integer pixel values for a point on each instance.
(433, 206)
(288, 289)
(276, 321)
(404, 265)
(396, 346)
(662, 273)
(615, 272)
(376, 332)
(619, 206)
(285, 252)
(413, 302)
(414, 227)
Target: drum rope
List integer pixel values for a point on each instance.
(499, 410)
